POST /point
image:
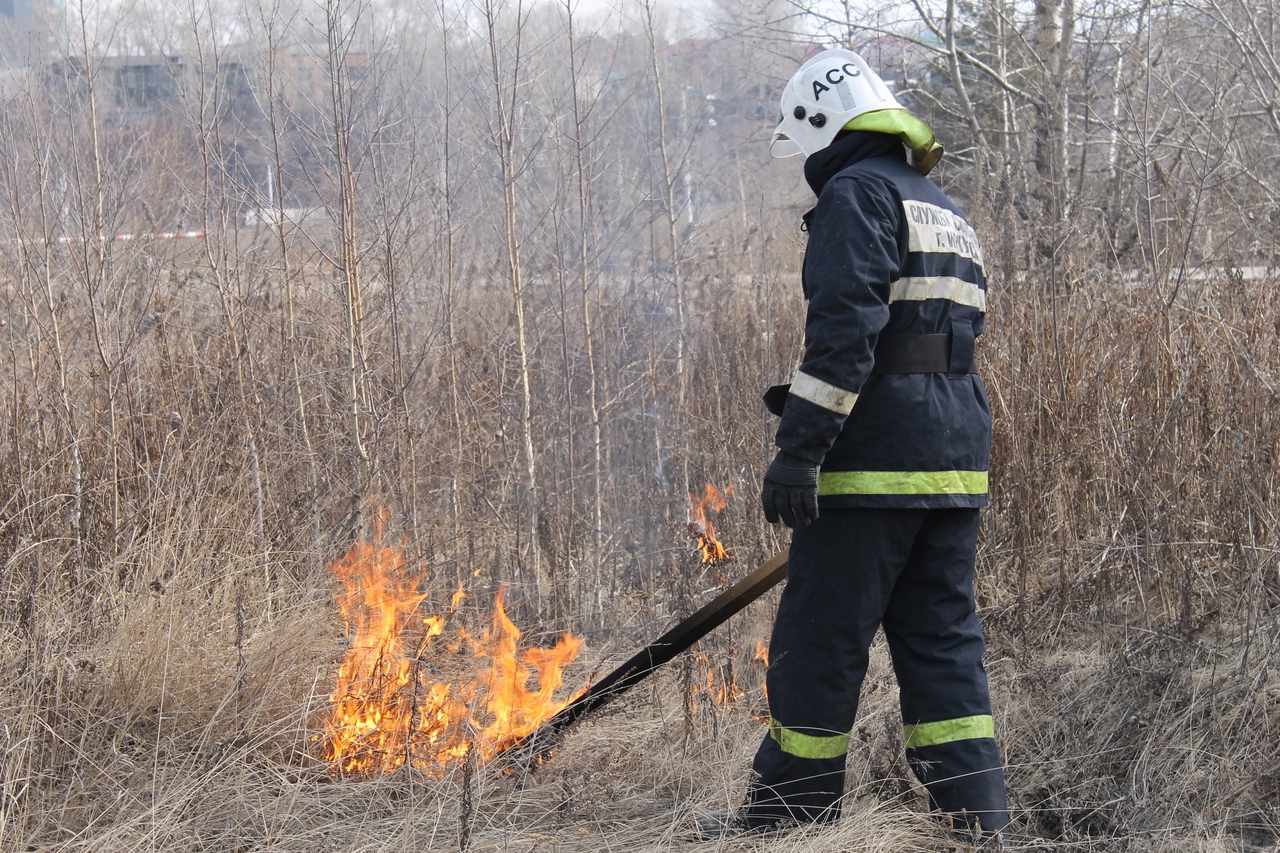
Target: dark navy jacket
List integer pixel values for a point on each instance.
(888, 254)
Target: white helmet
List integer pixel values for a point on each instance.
(825, 93)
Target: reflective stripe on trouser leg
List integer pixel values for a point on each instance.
(806, 745)
(936, 644)
(965, 781)
(798, 789)
(841, 572)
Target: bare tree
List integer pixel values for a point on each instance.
(506, 67)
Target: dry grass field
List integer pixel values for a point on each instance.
(171, 636)
(490, 290)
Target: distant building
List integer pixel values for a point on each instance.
(10, 9)
(30, 31)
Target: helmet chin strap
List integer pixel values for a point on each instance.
(783, 146)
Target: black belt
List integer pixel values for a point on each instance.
(940, 353)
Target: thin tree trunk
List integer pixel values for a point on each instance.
(96, 249)
(286, 268)
(348, 253)
(669, 179)
(450, 281)
(214, 210)
(584, 274)
(506, 145)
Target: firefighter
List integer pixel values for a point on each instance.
(883, 450)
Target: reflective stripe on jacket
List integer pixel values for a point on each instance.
(888, 254)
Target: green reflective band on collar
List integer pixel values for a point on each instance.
(902, 483)
(947, 731)
(926, 150)
(807, 746)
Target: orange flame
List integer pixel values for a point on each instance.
(762, 652)
(762, 655)
(386, 712)
(719, 685)
(700, 526)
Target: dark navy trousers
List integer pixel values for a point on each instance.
(849, 572)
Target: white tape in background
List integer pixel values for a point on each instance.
(118, 238)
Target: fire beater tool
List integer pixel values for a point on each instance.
(661, 651)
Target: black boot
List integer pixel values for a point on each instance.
(712, 826)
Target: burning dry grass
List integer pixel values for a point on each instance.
(1153, 746)
(404, 694)
(625, 781)
(701, 528)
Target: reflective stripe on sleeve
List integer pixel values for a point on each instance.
(902, 483)
(807, 746)
(948, 731)
(938, 287)
(823, 394)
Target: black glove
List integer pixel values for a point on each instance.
(790, 491)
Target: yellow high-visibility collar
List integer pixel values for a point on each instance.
(926, 150)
